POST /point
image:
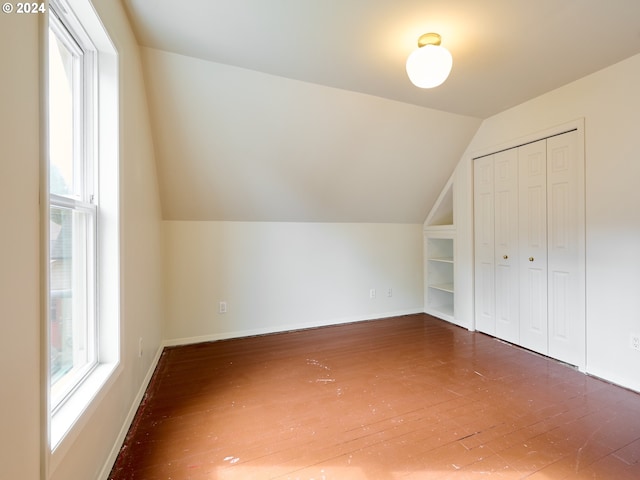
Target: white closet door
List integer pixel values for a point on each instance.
(484, 245)
(565, 223)
(532, 166)
(506, 245)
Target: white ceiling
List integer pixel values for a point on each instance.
(504, 51)
(301, 110)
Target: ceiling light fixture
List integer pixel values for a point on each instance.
(430, 64)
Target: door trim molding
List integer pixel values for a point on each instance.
(574, 125)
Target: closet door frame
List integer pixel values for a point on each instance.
(576, 125)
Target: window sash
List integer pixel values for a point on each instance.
(72, 322)
(73, 219)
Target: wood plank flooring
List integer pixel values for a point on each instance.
(410, 397)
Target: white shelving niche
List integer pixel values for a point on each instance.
(440, 266)
(439, 254)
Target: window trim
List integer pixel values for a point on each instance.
(62, 427)
(81, 199)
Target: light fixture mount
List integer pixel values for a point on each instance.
(429, 39)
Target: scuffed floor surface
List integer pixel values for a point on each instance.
(405, 398)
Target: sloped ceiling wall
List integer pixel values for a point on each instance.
(504, 51)
(238, 145)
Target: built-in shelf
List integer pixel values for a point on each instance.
(442, 259)
(445, 287)
(439, 274)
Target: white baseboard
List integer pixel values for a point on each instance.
(115, 450)
(285, 328)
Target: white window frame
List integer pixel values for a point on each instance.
(82, 199)
(64, 415)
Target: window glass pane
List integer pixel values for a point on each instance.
(62, 85)
(71, 317)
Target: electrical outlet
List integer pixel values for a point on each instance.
(372, 293)
(635, 342)
(140, 350)
(222, 307)
(390, 292)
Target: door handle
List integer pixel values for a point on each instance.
(531, 259)
(505, 257)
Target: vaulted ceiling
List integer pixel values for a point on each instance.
(301, 110)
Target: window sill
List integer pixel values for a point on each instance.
(69, 418)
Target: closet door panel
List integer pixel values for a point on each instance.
(566, 293)
(532, 186)
(506, 245)
(484, 245)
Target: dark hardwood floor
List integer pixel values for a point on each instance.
(410, 397)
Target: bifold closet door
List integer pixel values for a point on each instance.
(532, 163)
(496, 244)
(484, 245)
(552, 246)
(566, 250)
(530, 247)
(506, 245)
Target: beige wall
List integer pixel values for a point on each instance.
(239, 145)
(282, 276)
(141, 313)
(19, 217)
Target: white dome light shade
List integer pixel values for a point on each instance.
(429, 66)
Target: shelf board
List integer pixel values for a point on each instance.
(445, 287)
(441, 311)
(441, 228)
(441, 259)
